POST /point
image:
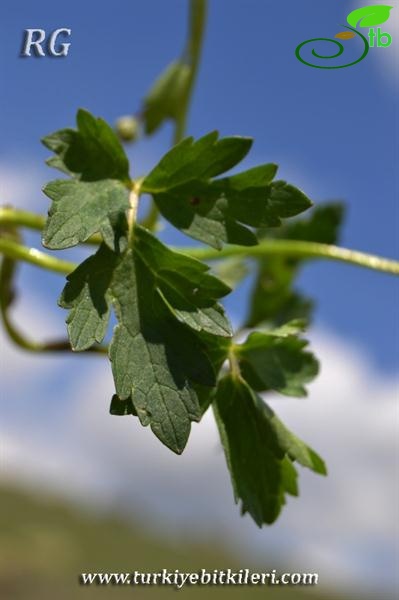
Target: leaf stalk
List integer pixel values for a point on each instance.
(134, 197)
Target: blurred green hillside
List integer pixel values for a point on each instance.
(46, 543)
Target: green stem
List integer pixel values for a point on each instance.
(35, 257)
(32, 346)
(197, 19)
(234, 364)
(192, 54)
(291, 248)
(22, 218)
(298, 249)
(7, 295)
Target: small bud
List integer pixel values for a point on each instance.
(127, 128)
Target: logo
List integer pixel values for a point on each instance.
(367, 17)
(34, 39)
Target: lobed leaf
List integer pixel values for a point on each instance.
(259, 451)
(219, 211)
(172, 337)
(88, 295)
(276, 360)
(195, 161)
(96, 198)
(154, 358)
(185, 285)
(162, 300)
(80, 209)
(273, 298)
(91, 152)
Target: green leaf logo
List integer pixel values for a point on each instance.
(368, 16)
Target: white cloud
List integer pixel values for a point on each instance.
(342, 525)
(37, 322)
(385, 59)
(56, 432)
(21, 183)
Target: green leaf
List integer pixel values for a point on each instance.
(167, 96)
(369, 16)
(261, 205)
(246, 436)
(273, 299)
(203, 219)
(199, 160)
(217, 350)
(185, 285)
(216, 211)
(294, 447)
(276, 360)
(259, 450)
(80, 209)
(60, 142)
(96, 199)
(154, 358)
(87, 294)
(91, 153)
(163, 301)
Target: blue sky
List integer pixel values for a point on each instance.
(332, 132)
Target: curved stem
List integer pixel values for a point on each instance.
(35, 257)
(7, 295)
(292, 248)
(23, 218)
(298, 249)
(32, 346)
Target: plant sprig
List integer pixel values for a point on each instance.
(173, 352)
